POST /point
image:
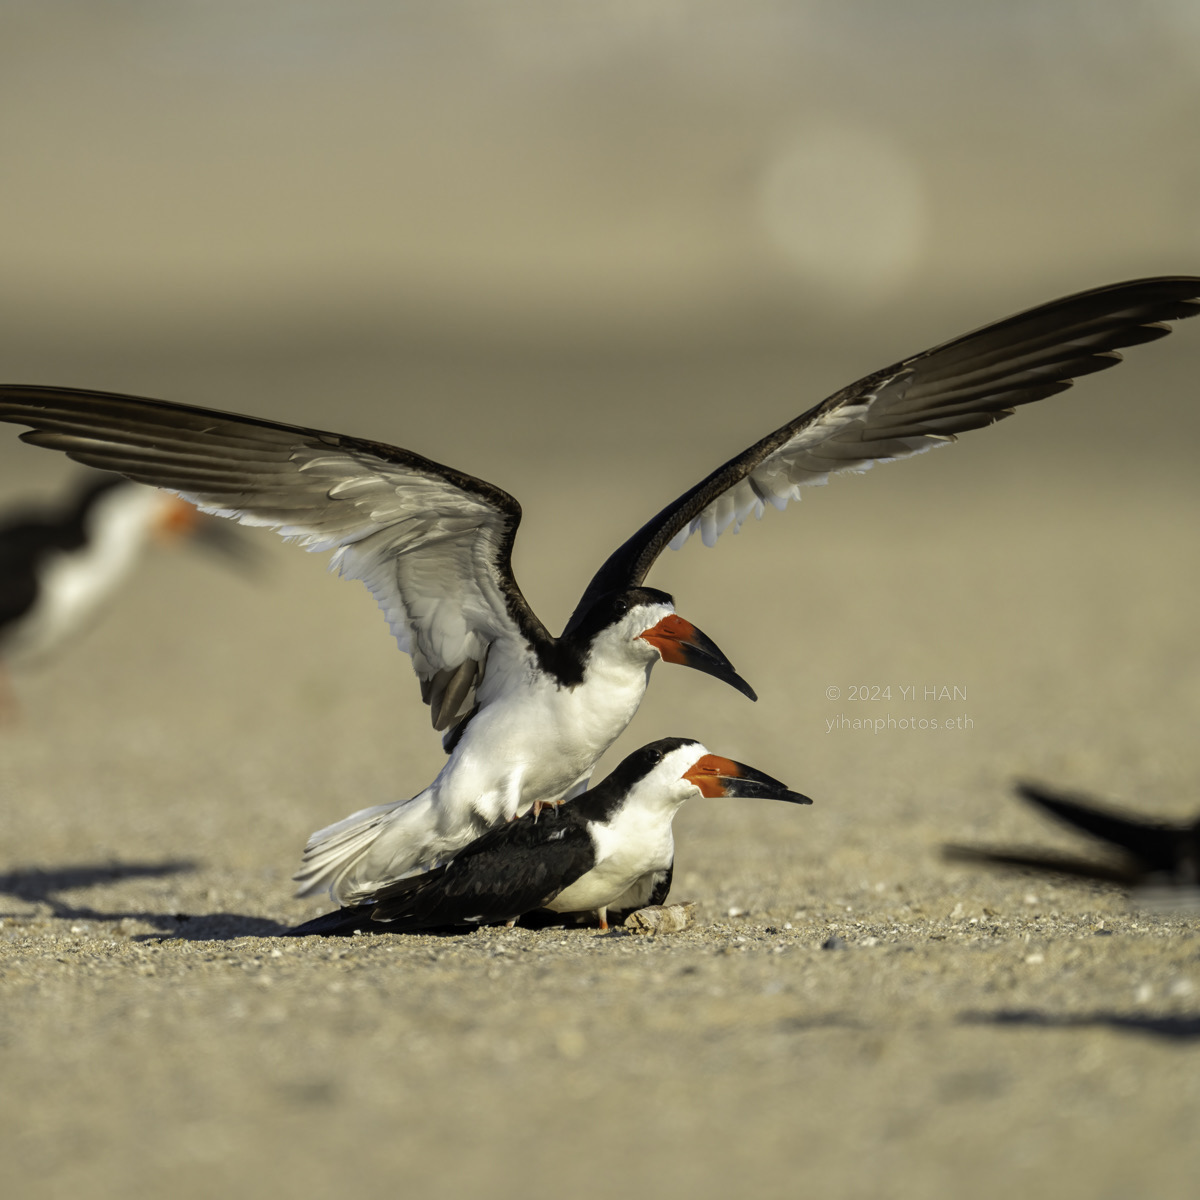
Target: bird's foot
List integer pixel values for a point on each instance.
(538, 805)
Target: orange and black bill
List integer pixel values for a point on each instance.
(679, 641)
(717, 776)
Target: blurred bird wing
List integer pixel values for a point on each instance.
(433, 545)
(1154, 844)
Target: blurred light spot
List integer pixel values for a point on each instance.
(846, 208)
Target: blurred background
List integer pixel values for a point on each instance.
(589, 252)
(553, 176)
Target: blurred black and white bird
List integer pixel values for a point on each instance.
(527, 715)
(59, 566)
(1151, 855)
(610, 848)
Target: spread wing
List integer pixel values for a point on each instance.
(434, 545)
(915, 405)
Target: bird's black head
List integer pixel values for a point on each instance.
(665, 773)
(641, 624)
(612, 608)
(605, 797)
(641, 762)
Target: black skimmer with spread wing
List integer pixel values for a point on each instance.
(611, 847)
(58, 566)
(527, 714)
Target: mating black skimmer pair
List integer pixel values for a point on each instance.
(527, 715)
(58, 567)
(611, 847)
(1160, 855)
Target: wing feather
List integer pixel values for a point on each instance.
(432, 544)
(915, 405)
(508, 871)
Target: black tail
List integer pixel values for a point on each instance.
(342, 923)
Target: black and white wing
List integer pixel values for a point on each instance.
(915, 405)
(510, 870)
(433, 544)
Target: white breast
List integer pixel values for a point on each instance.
(635, 842)
(533, 740)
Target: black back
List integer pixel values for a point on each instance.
(508, 871)
(28, 539)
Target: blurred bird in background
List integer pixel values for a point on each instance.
(1157, 860)
(60, 566)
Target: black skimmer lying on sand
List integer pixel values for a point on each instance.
(1155, 855)
(527, 714)
(611, 847)
(59, 566)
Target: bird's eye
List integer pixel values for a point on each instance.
(621, 606)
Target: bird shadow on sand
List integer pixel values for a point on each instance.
(1183, 1027)
(223, 927)
(46, 887)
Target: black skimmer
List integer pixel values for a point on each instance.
(610, 847)
(526, 715)
(59, 566)
(1157, 855)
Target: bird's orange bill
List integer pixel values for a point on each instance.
(679, 641)
(177, 520)
(717, 776)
